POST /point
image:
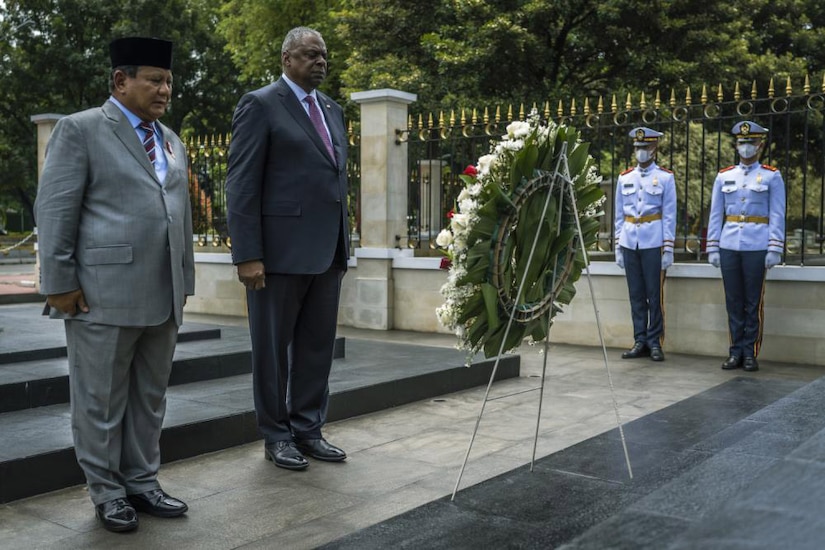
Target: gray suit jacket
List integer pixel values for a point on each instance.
(106, 224)
(286, 198)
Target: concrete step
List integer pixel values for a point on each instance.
(37, 453)
(202, 353)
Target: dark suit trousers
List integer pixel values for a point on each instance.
(292, 323)
(743, 276)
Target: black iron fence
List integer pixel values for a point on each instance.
(697, 143)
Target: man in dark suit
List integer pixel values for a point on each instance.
(115, 245)
(286, 194)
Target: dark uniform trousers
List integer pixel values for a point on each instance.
(743, 276)
(645, 283)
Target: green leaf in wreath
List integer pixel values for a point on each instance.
(577, 158)
(491, 304)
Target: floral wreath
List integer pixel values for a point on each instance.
(513, 245)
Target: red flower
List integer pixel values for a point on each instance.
(445, 263)
(470, 171)
(450, 214)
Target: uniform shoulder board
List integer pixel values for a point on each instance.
(769, 167)
(726, 168)
(664, 169)
(629, 170)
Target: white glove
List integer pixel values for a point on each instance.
(667, 259)
(713, 259)
(619, 257)
(772, 259)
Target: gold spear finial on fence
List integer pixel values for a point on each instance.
(672, 101)
(628, 104)
(719, 95)
(498, 114)
(642, 102)
(509, 112)
(452, 118)
(737, 93)
(658, 101)
(409, 122)
(614, 106)
(546, 109)
(430, 121)
(807, 87)
(560, 110)
(486, 116)
(704, 98)
(521, 111)
(771, 89)
(788, 87)
(444, 124)
(600, 105)
(587, 106)
(573, 107)
(823, 83)
(687, 97)
(754, 91)
(475, 115)
(463, 117)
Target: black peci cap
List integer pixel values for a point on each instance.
(137, 50)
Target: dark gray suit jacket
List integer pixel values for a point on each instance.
(286, 198)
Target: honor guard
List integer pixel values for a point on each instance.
(746, 237)
(645, 225)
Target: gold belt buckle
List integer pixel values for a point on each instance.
(742, 219)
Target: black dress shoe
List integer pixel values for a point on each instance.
(321, 449)
(732, 362)
(656, 354)
(157, 503)
(117, 515)
(750, 364)
(638, 350)
(285, 455)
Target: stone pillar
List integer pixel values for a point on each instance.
(45, 124)
(383, 204)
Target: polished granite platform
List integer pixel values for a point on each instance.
(739, 466)
(209, 401)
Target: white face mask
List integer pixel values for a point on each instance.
(643, 155)
(747, 150)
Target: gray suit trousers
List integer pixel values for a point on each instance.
(117, 383)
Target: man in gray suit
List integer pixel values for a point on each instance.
(115, 242)
(286, 194)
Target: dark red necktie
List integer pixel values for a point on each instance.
(149, 140)
(315, 117)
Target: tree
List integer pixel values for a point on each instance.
(55, 59)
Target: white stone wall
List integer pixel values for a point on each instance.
(695, 319)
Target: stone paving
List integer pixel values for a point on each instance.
(399, 459)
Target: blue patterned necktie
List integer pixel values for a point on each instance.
(315, 117)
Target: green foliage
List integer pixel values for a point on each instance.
(55, 60)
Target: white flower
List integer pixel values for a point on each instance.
(459, 222)
(518, 129)
(485, 162)
(444, 239)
